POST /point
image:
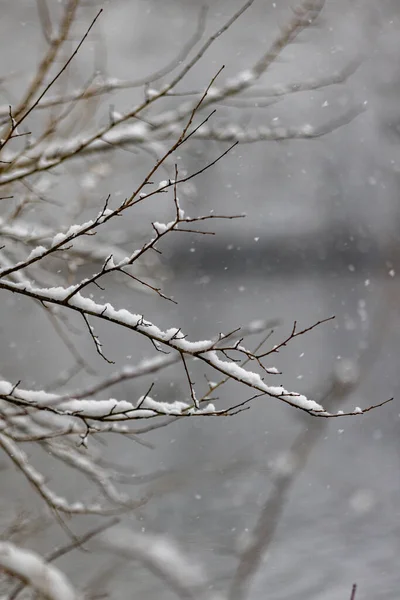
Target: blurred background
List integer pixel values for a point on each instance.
(320, 238)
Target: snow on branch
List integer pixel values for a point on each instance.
(110, 410)
(85, 249)
(54, 501)
(48, 152)
(31, 568)
(173, 338)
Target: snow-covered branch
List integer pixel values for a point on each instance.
(45, 153)
(68, 261)
(29, 567)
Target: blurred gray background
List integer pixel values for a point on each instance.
(320, 238)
